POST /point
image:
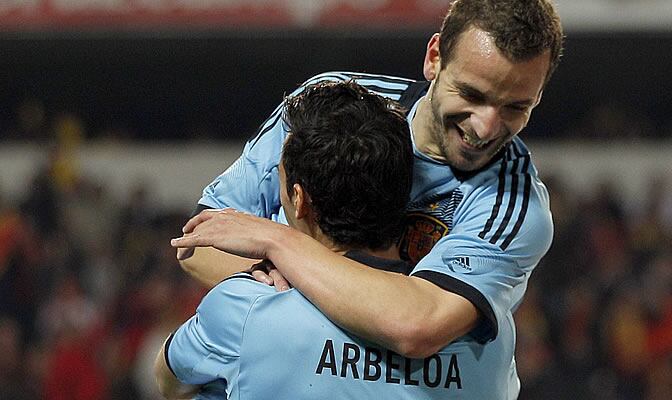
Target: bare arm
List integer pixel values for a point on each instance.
(169, 386)
(210, 266)
(409, 315)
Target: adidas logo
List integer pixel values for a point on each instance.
(461, 262)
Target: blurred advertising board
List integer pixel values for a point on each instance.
(236, 14)
(26, 15)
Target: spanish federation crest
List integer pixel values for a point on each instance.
(426, 223)
(420, 235)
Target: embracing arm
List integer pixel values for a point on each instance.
(210, 266)
(409, 315)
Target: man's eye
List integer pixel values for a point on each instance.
(520, 108)
(472, 97)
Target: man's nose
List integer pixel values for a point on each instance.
(486, 122)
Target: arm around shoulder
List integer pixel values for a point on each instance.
(210, 266)
(409, 315)
(440, 317)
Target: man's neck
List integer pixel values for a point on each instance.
(420, 128)
(390, 253)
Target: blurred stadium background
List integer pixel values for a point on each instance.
(114, 114)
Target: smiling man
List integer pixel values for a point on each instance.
(479, 103)
(478, 221)
(345, 178)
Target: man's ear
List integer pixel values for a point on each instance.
(432, 63)
(536, 103)
(301, 201)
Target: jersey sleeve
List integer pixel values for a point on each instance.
(251, 183)
(205, 349)
(500, 232)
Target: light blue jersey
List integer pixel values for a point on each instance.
(251, 183)
(477, 234)
(248, 341)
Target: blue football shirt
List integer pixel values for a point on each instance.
(248, 341)
(478, 234)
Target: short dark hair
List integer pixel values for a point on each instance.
(521, 29)
(351, 151)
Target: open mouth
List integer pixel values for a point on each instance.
(471, 139)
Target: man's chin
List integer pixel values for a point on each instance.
(463, 160)
(464, 164)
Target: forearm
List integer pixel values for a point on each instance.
(169, 386)
(408, 315)
(210, 266)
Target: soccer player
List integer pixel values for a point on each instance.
(478, 221)
(345, 179)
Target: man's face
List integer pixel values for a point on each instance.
(480, 100)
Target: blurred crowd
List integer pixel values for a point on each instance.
(596, 322)
(89, 289)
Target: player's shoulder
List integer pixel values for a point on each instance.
(240, 288)
(520, 178)
(384, 85)
(514, 159)
(244, 283)
(513, 173)
(509, 206)
(517, 152)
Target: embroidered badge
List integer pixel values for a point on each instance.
(420, 235)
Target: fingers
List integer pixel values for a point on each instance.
(190, 240)
(279, 281)
(227, 230)
(265, 272)
(194, 221)
(260, 272)
(184, 252)
(262, 276)
(200, 218)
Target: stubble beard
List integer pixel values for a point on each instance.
(451, 154)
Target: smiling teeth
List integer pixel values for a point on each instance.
(474, 141)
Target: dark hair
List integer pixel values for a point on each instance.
(521, 29)
(351, 151)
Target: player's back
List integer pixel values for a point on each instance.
(248, 341)
(290, 350)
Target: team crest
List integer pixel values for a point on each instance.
(420, 235)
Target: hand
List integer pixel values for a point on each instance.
(265, 272)
(231, 231)
(186, 252)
